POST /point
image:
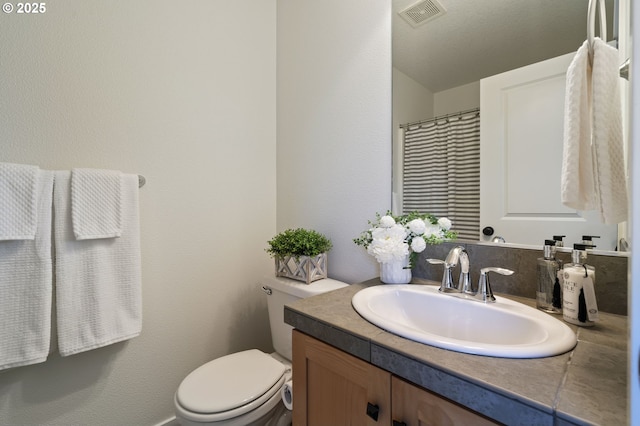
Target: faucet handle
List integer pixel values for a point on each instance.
(501, 271)
(485, 294)
(447, 278)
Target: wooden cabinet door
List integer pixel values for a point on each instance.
(414, 406)
(334, 388)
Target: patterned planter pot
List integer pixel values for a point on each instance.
(304, 268)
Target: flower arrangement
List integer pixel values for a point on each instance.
(391, 238)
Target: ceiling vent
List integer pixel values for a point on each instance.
(422, 12)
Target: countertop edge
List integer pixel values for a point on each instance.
(478, 397)
(341, 339)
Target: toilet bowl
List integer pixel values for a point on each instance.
(238, 389)
(244, 388)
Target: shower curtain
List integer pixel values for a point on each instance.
(441, 170)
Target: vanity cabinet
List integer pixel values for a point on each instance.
(334, 388)
(412, 406)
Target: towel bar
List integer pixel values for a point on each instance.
(591, 24)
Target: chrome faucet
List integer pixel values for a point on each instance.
(456, 254)
(459, 255)
(485, 294)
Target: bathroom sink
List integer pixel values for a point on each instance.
(452, 321)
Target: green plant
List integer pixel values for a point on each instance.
(298, 242)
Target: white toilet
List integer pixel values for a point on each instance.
(244, 388)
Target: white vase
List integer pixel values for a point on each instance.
(396, 272)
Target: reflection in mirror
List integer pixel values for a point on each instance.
(438, 68)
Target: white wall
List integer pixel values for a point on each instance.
(411, 100)
(183, 93)
(414, 102)
(457, 99)
(334, 123)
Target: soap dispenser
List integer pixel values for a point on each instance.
(559, 240)
(578, 296)
(549, 275)
(587, 240)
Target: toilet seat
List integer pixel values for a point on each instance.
(230, 386)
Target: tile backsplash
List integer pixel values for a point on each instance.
(611, 271)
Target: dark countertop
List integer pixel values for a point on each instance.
(587, 385)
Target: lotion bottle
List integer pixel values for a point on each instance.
(578, 297)
(548, 272)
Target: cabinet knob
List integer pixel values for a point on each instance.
(373, 411)
(397, 423)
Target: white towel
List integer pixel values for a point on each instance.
(18, 201)
(25, 288)
(593, 172)
(96, 205)
(98, 282)
(577, 180)
(607, 136)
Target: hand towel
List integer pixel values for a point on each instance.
(593, 172)
(98, 282)
(18, 201)
(96, 203)
(25, 288)
(577, 179)
(607, 136)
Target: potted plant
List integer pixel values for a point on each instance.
(300, 254)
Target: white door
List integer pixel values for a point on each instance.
(521, 138)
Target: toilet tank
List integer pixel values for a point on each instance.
(281, 291)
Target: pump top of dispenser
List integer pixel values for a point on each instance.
(579, 253)
(558, 240)
(549, 249)
(588, 239)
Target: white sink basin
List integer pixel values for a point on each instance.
(505, 328)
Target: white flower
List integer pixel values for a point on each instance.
(433, 230)
(387, 221)
(391, 232)
(417, 226)
(388, 244)
(418, 244)
(395, 238)
(444, 223)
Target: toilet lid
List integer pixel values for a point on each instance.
(229, 382)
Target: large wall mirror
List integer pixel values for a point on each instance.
(445, 51)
